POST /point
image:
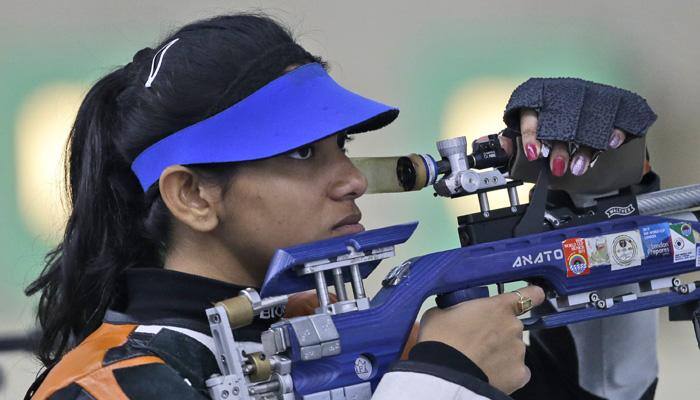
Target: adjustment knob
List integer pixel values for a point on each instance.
(469, 180)
(448, 147)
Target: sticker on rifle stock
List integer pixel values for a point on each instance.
(597, 248)
(576, 257)
(657, 240)
(683, 242)
(625, 250)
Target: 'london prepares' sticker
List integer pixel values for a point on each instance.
(657, 240)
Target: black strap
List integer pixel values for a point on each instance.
(37, 382)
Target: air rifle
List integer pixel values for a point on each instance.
(585, 256)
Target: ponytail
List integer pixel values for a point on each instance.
(102, 233)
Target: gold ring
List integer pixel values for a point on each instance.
(523, 305)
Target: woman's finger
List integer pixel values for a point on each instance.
(528, 130)
(581, 160)
(559, 158)
(534, 293)
(617, 138)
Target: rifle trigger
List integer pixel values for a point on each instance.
(501, 287)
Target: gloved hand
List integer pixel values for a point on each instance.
(575, 119)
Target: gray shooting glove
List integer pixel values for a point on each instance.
(583, 112)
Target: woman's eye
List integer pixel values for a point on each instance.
(302, 153)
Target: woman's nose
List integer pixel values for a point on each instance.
(349, 183)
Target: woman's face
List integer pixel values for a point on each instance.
(304, 195)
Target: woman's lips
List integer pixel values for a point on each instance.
(348, 229)
(349, 224)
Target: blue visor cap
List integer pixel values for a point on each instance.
(300, 107)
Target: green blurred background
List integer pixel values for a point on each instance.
(449, 66)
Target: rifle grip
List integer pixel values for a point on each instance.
(449, 299)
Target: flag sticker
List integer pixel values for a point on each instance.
(656, 240)
(683, 242)
(625, 250)
(576, 257)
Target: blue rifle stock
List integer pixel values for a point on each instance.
(378, 334)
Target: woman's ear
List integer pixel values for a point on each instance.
(190, 202)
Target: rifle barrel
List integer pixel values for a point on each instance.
(669, 200)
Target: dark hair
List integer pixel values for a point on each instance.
(113, 224)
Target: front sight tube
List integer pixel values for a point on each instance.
(416, 171)
(397, 174)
